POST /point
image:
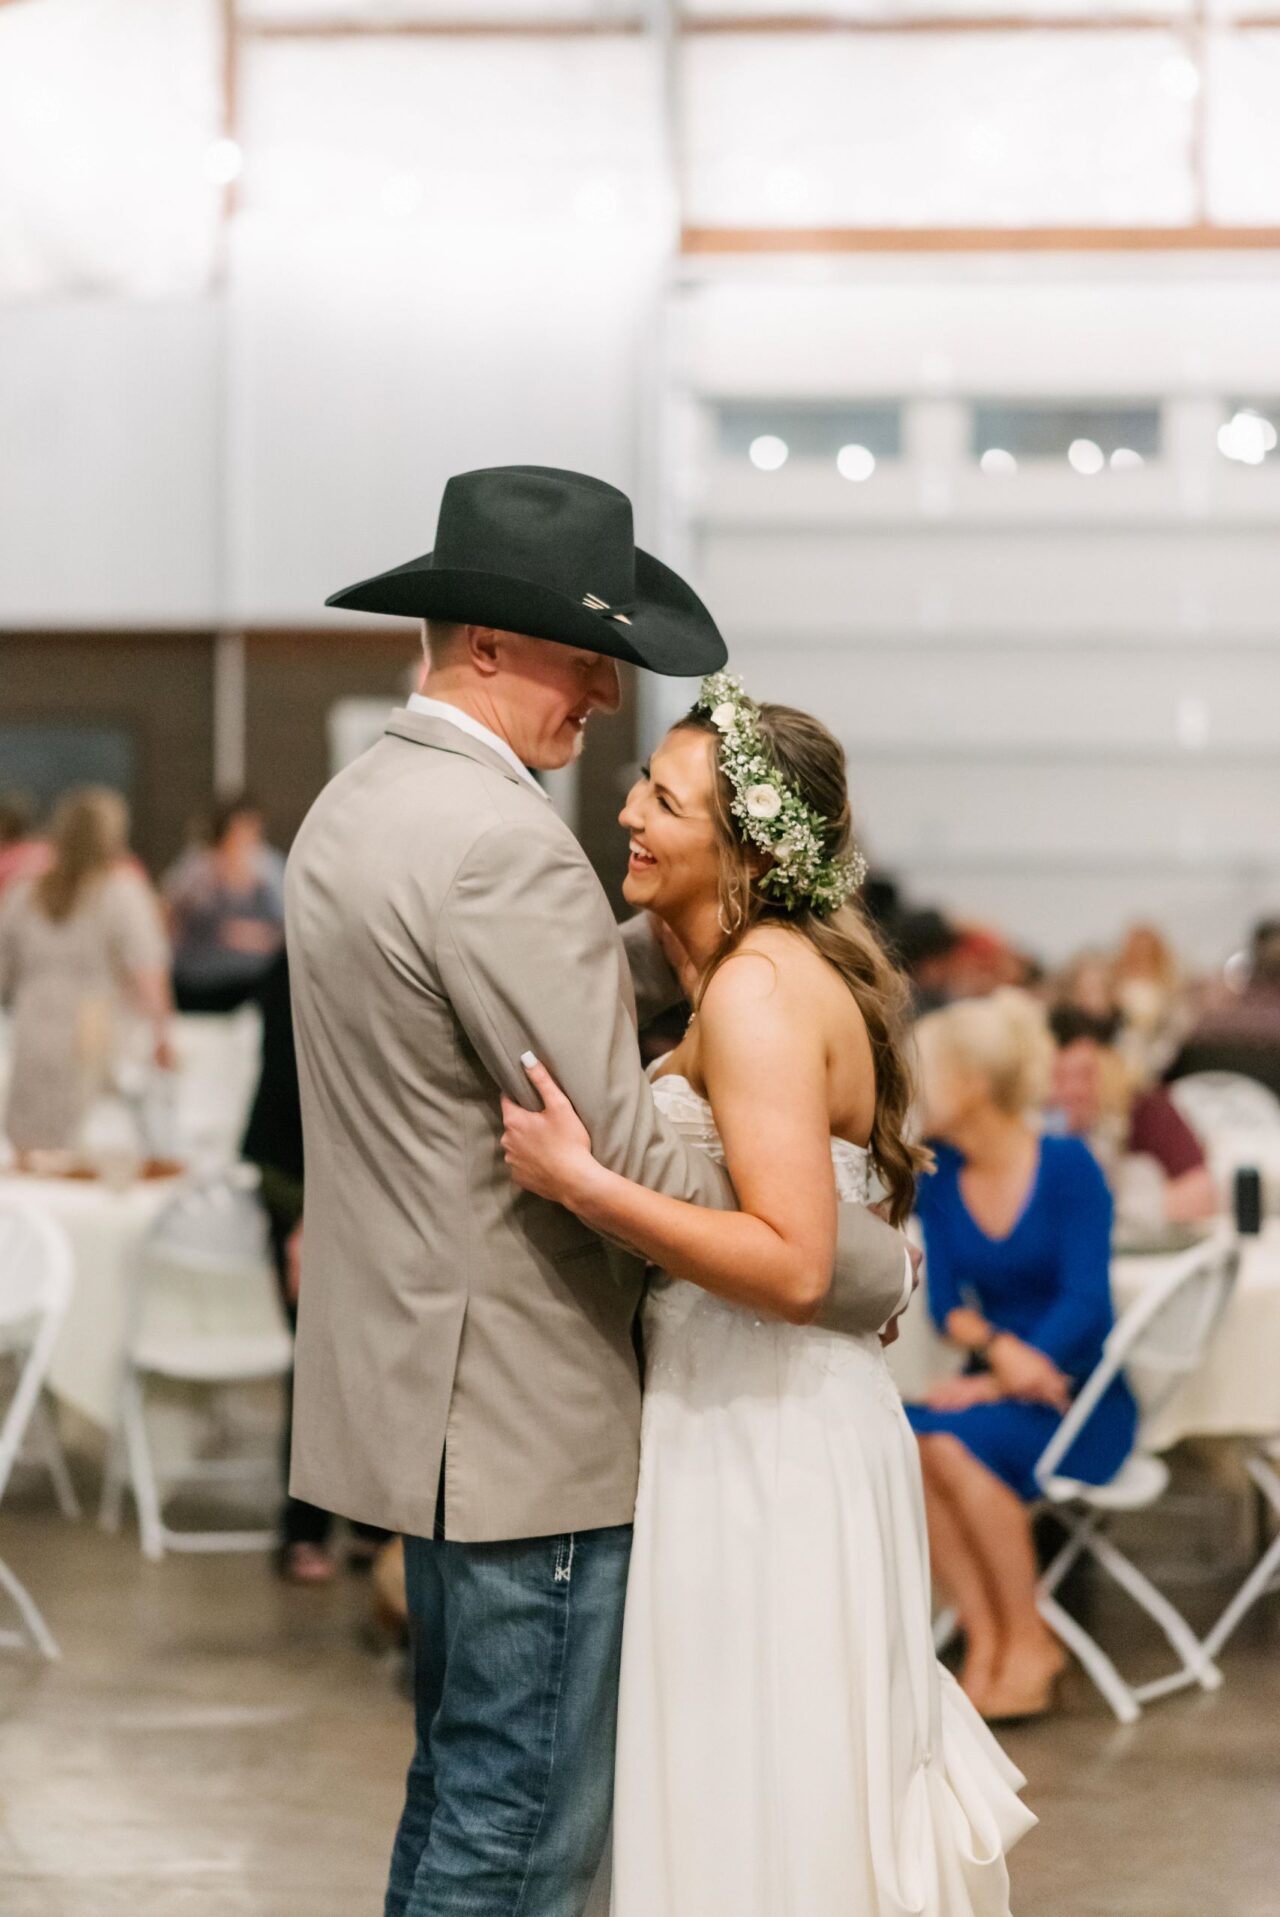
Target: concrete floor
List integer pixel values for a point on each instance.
(214, 1744)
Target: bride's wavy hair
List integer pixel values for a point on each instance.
(812, 762)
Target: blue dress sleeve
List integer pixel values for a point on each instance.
(1079, 1316)
(935, 1208)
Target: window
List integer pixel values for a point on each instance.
(851, 436)
(44, 759)
(1250, 432)
(1088, 437)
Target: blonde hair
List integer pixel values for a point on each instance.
(89, 831)
(1005, 1037)
(812, 761)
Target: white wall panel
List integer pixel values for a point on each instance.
(987, 326)
(464, 276)
(107, 109)
(1243, 147)
(995, 583)
(1074, 699)
(108, 464)
(935, 129)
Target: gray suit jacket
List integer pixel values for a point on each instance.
(441, 920)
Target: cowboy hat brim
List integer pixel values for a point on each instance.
(668, 628)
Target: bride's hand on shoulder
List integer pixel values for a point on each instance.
(547, 1152)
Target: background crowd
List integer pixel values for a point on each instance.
(98, 959)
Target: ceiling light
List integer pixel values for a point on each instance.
(768, 452)
(1247, 437)
(1085, 456)
(222, 162)
(1180, 77)
(1125, 460)
(855, 462)
(996, 462)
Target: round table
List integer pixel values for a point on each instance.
(106, 1229)
(1235, 1393)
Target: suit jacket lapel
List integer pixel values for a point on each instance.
(441, 736)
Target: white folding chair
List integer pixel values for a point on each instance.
(1264, 1578)
(36, 1275)
(204, 1311)
(1162, 1337)
(1213, 1102)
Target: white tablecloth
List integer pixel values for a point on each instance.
(107, 1231)
(1236, 1393)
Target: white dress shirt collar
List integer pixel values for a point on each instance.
(455, 716)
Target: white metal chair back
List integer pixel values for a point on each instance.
(1163, 1335)
(213, 1223)
(36, 1275)
(219, 1059)
(205, 1310)
(1213, 1102)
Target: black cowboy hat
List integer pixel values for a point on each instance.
(552, 554)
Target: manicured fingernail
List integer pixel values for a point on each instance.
(527, 1059)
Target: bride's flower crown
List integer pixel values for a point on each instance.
(771, 813)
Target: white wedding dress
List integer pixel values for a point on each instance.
(788, 1745)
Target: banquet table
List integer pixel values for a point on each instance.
(1236, 1391)
(108, 1230)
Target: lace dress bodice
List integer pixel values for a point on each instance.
(692, 1116)
(691, 1335)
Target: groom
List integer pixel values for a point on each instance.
(465, 1364)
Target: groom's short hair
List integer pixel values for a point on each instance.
(438, 636)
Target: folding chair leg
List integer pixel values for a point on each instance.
(1092, 1657)
(1195, 1663)
(114, 1472)
(1079, 1531)
(40, 1632)
(1260, 1580)
(1265, 1573)
(142, 1476)
(45, 1435)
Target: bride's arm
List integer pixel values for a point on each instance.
(765, 1071)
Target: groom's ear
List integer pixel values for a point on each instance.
(484, 649)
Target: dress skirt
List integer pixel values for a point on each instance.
(789, 1745)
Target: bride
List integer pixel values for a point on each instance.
(788, 1746)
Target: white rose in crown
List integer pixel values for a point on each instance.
(725, 716)
(763, 801)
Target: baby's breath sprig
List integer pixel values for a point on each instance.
(771, 813)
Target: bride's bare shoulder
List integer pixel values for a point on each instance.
(771, 963)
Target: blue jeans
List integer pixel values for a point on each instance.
(516, 1650)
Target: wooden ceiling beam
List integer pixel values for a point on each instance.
(708, 241)
(739, 24)
(440, 29)
(818, 23)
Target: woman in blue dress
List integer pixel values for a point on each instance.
(1017, 1231)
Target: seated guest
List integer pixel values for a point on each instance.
(22, 854)
(1094, 1095)
(1239, 1030)
(226, 911)
(923, 943)
(1017, 1231)
(84, 969)
(1152, 1000)
(1087, 982)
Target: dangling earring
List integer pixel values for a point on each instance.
(738, 919)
